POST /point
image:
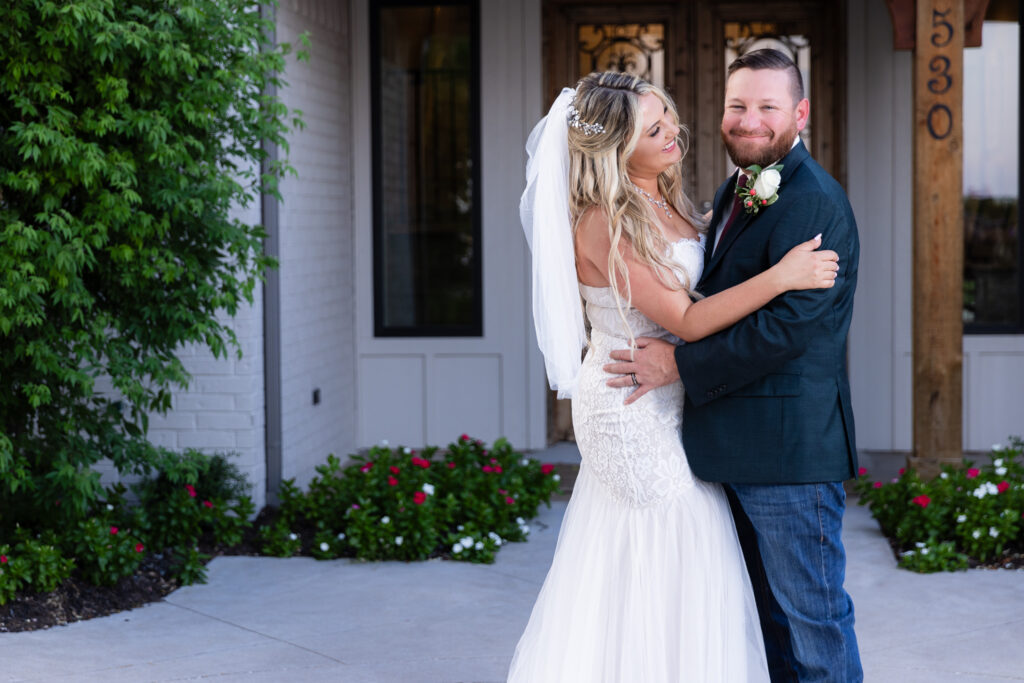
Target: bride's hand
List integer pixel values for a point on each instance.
(803, 267)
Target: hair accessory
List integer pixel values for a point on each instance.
(588, 129)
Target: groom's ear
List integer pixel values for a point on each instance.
(803, 112)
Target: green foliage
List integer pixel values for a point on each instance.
(104, 553)
(397, 504)
(128, 131)
(194, 495)
(966, 513)
(32, 564)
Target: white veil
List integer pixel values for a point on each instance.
(544, 211)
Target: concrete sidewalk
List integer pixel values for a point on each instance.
(268, 619)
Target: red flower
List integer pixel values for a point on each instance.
(748, 203)
(394, 470)
(547, 468)
(510, 500)
(484, 453)
(862, 471)
(753, 192)
(191, 490)
(421, 462)
(3, 559)
(903, 470)
(878, 484)
(207, 503)
(464, 437)
(451, 466)
(502, 491)
(922, 501)
(366, 467)
(419, 497)
(763, 202)
(1003, 486)
(973, 472)
(113, 531)
(139, 547)
(487, 468)
(494, 461)
(392, 481)
(497, 468)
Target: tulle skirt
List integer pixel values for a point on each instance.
(643, 594)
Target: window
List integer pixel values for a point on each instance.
(993, 250)
(427, 259)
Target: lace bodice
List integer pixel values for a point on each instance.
(636, 451)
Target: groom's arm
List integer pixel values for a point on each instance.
(784, 329)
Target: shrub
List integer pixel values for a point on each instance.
(464, 502)
(32, 564)
(128, 131)
(970, 513)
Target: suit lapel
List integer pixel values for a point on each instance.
(723, 197)
(790, 163)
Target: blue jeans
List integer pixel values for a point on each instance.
(791, 537)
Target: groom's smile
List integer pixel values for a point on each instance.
(761, 118)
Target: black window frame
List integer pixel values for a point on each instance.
(474, 329)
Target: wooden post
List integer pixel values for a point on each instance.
(938, 236)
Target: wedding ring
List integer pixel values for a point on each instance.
(632, 376)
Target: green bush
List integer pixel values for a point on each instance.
(464, 502)
(970, 513)
(32, 564)
(129, 129)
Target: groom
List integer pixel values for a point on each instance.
(767, 408)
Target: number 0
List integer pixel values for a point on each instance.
(940, 122)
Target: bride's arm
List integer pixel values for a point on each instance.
(801, 268)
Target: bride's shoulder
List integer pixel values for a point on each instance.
(592, 228)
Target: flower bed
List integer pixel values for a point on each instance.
(967, 516)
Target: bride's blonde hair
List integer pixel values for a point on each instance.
(598, 176)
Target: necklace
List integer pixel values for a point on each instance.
(660, 203)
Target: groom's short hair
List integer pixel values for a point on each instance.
(771, 59)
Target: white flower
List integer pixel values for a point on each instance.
(428, 489)
(979, 492)
(997, 446)
(341, 537)
(457, 548)
(525, 528)
(385, 520)
(407, 450)
(524, 462)
(920, 545)
(399, 540)
(324, 547)
(961, 519)
(556, 476)
(383, 442)
(767, 183)
(460, 527)
(991, 488)
(998, 462)
(993, 532)
(109, 506)
(944, 475)
(976, 533)
(293, 537)
(479, 545)
(1000, 471)
(493, 536)
(467, 541)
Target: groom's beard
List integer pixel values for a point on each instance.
(744, 153)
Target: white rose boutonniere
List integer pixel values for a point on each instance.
(762, 188)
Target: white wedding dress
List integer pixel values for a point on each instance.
(648, 583)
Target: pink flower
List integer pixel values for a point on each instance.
(113, 531)
(421, 462)
(510, 500)
(497, 468)
(419, 497)
(392, 481)
(487, 468)
(139, 547)
(502, 492)
(748, 203)
(207, 503)
(464, 437)
(922, 501)
(878, 484)
(903, 470)
(494, 461)
(3, 559)
(394, 470)
(547, 468)
(355, 506)
(763, 201)
(862, 471)
(973, 472)
(451, 466)
(191, 490)
(1003, 486)
(366, 467)
(484, 453)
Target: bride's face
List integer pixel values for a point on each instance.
(658, 147)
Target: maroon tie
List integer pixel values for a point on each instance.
(737, 204)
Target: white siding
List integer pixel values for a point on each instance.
(317, 285)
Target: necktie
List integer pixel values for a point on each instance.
(737, 204)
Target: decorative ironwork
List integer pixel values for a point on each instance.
(637, 49)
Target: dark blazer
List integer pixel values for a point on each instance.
(768, 399)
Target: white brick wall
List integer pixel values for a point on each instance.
(316, 251)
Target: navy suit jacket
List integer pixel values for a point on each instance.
(768, 399)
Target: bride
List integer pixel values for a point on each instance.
(648, 582)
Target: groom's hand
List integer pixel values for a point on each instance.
(653, 363)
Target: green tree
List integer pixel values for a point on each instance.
(128, 131)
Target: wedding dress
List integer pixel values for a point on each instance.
(647, 584)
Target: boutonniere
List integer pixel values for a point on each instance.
(762, 188)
